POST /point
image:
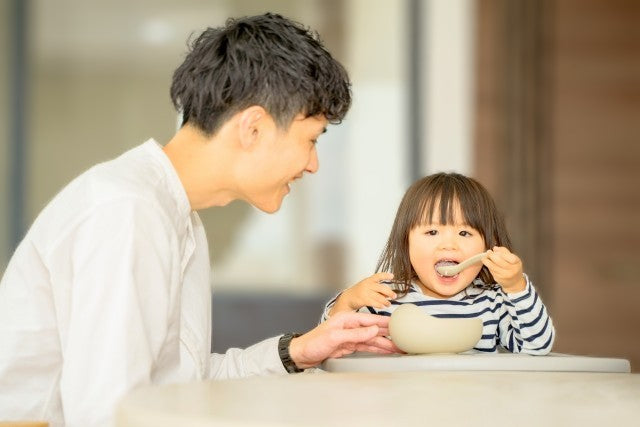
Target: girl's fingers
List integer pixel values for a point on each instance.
(373, 299)
(383, 303)
(382, 276)
(505, 254)
(490, 263)
(385, 290)
(511, 258)
(500, 271)
(502, 260)
(378, 301)
(498, 264)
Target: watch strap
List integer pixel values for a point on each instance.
(285, 356)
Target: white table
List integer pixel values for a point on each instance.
(412, 398)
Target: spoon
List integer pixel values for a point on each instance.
(452, 270)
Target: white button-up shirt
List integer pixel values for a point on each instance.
(110, 290)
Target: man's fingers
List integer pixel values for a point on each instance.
(356, 320)
(355, 335)
(376, 345)
(367, 336)
(382, 343)
(372, 349)
(383, 332)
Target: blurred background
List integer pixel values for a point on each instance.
(539, 100)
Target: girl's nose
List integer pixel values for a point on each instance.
(448, 240)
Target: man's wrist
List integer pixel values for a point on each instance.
(284, 351)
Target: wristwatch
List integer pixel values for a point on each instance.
(285, 356)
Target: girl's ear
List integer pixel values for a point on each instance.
(252, 125)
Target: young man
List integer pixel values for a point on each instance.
(110, 287)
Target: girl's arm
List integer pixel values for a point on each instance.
(524, 325)
(328, 307)
(368, 292)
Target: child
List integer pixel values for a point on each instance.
(444, 219)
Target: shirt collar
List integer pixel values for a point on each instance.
(174, 185)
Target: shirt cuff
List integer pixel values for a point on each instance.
(522, 293)
(263, 358)
(328, 307)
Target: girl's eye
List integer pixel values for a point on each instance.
(431, 232)
(465, 233)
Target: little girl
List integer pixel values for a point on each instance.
(444, 219)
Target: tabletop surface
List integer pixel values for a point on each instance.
(554, 362)
(409, 398)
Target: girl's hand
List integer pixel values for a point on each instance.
(506, 268)
(368, 292)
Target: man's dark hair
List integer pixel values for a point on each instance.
(265, 60)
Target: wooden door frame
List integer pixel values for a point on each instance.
(513, 156)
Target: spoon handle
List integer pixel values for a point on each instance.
(452, 270)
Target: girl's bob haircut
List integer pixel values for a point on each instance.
(437, 197)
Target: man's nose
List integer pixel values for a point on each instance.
(314, 164)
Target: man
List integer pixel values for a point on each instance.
(110, 287)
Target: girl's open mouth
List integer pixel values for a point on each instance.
(444, 263)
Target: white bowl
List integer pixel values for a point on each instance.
(416, 332)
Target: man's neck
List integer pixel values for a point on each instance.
(203, 164)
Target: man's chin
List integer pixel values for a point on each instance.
(270, 207)
(270, 210)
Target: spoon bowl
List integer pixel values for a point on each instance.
(452, 270)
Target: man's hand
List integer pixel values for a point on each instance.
(340, 335)
(506, 268)
(368, 292)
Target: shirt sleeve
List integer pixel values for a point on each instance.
(120, 304)
(259, 359)
(524, 325)
(328, 307)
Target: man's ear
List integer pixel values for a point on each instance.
(252, 124)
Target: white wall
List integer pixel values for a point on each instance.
(332, 226)
(353, 198)
(378, 121)
(449, 85)
(363, 162)
(377, 126)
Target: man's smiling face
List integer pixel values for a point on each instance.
(282, 157)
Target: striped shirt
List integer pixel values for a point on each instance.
(517, 322)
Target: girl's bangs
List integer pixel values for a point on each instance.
(438, 203)
(441, 203)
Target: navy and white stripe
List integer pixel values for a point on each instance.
(517, 322)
